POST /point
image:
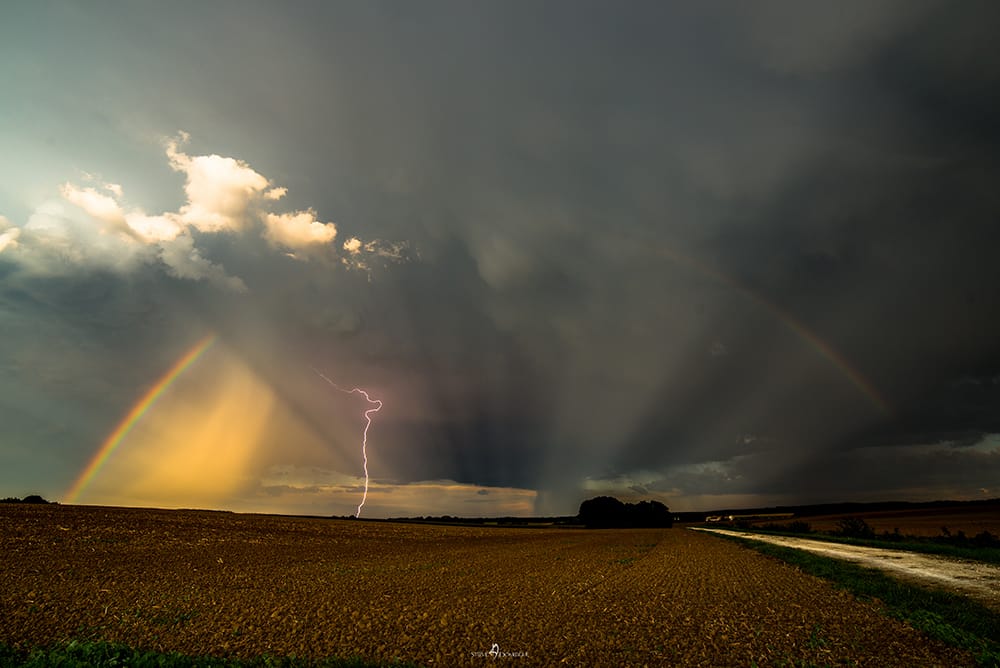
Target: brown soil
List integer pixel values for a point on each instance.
(246, 585)
(969, 578)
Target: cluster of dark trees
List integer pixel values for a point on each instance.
(31, 498)
(605, 512)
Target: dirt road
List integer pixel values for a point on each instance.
(975, 579)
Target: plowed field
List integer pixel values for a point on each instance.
(921, 521)
(977, 580)
(246, 585)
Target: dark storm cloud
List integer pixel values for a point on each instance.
(638, 234)
(881, 241)
(897, 219)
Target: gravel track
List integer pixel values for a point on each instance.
(972, 578)
(245, 585)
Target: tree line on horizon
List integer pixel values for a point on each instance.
(31, 498)
(607, 512)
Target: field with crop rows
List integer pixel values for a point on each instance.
(927, 522)
(248, 585)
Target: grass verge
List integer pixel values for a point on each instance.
(951, 618)
(987, 555)
(87, 654)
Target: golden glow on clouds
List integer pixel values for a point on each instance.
(353, 245)
(194, 449)
(219, 437)
(224, 196)
(107, 209)
(8, 234)
(297, 230)
(219, 189)
(315, 491)
(100, 206)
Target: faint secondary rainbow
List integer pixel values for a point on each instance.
(859, 381)
(135, 413)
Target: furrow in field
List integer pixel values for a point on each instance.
(218, 583)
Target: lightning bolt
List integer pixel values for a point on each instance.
(368, 423)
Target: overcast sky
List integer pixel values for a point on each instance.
(713, 254)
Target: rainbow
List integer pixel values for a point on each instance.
(824, 349)
(132, 416)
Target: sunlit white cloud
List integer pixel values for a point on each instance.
(297, 230)
(59, 240)
(154, 228)
(219, 190)
(166, 234)
(353, 246)
(108, 209)
(224, 197)
(97, 204)
(8, 234)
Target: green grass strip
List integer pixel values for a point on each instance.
(951, 618)
(989, 555)
(87, 654)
